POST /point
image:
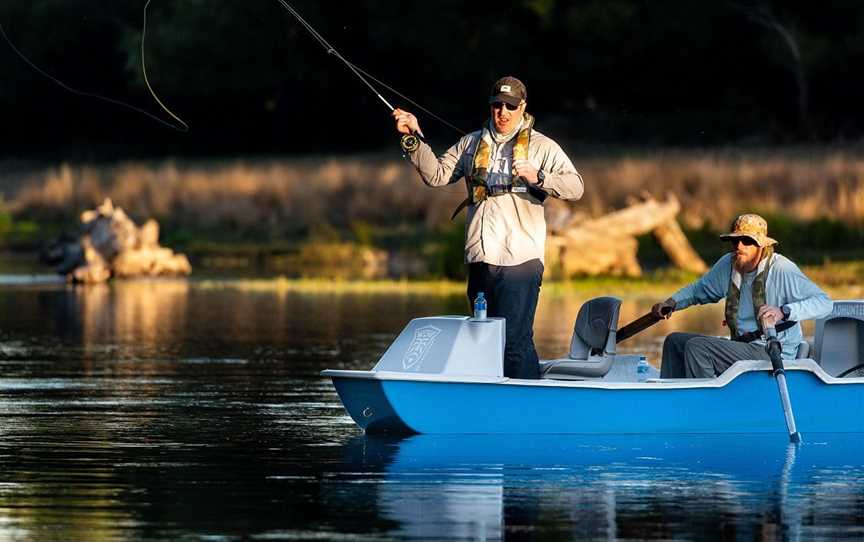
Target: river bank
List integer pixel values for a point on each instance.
(367, 216)
(842, 280)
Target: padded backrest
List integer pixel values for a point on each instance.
(595, 327)
(842, 345)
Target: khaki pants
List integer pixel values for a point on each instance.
(689, 355)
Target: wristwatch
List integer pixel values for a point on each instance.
(787, 312)
(541, 177)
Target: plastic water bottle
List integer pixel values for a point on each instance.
(480, 306)
(642, 369)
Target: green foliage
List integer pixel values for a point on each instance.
(807, 242)
(247, 76)
(323, 232)
(363, 232)
(814, 241)
(21, 233)
(5, 223)
(446, 251)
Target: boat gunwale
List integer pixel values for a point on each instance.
(737, 369)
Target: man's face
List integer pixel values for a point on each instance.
(747, 253)
(506, 117)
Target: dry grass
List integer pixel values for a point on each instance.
(291, 194)
(713, 186)
(329, 287)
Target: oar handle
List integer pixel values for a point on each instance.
(773, 346)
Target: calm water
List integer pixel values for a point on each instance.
(174, 410)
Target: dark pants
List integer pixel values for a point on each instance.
(511, 292)
(690, 355)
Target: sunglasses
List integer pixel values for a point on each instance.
(499, 105)
(746, 241)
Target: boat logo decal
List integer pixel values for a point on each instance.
(848, 310)
(419, 347)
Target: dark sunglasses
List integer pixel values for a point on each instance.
(746, 241)
(499, 105)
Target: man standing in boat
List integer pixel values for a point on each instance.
(509, 169)
(756, 283)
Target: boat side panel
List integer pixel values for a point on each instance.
(367, 404)
(748, 404)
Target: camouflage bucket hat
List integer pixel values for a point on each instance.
(752, 226)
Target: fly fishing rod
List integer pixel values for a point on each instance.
(408, 141)
(181, 126)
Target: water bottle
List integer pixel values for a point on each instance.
(480, 307)
(642, 369)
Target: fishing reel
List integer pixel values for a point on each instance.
(410, 142)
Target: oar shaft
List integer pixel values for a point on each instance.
(640, 324)
(774, 352)
(794, 436)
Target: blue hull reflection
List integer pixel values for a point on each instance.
(726, 486)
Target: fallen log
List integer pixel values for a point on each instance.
(111, 245)
(607, 245)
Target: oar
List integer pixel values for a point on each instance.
(640, 324)
(774, 350)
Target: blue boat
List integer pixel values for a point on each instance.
(444, 375)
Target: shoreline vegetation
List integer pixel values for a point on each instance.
(369, 217)
(842, 280)
(620, 287)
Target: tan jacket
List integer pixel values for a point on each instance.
(509, 229)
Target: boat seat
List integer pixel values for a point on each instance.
(840, 339)
(592, 346)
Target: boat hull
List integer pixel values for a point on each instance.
(743, 401)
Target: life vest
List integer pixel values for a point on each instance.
(478, 188)
(733, 294)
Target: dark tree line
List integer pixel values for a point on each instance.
(248, 78)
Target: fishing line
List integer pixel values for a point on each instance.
(181, 127)
(360, 73)
(412, 102)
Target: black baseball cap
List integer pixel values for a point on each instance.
(508, 90)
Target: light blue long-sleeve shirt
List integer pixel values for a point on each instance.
(785, 285)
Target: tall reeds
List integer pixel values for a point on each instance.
(289, 196)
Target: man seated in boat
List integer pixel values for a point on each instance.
(756, 283)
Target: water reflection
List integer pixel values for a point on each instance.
(163, 318)
(168, 410)
(490, 486)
